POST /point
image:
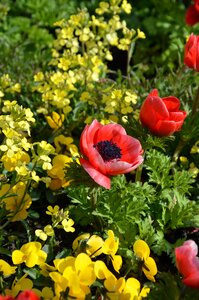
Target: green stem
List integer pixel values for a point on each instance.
(180, 146)
(138, 173)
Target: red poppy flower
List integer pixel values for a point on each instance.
(187, 263)
(161, 115)
(108, 150)
(6, 298)
(191, 57)
(27, 295)
(192, 14)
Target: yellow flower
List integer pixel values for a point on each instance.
(67, 225)
(52, 211)
(18, 202)
(110, 247)
(6, 269)
(64, 145)
(142, 251)
(77, 274)
(140, 34)
(19, 285)
(114, 286)
(101, 270)
(132, 288)
(30, 253)
(124, 290)
(46, 293)
(41, 234)
(55, 122)
(10, 163)
(91, 244)
(111, 244)
(57, 173)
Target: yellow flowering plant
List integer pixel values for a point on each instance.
(64, 234)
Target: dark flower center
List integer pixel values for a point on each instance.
(108, 150)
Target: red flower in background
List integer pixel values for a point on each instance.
(108, 150)
(27, 295)
(192, 14)
(191, 56)
(187, 263)
(162, 115)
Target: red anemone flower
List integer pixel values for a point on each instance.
(162, 115)
(187, 263)
(27, 295)
(192, 14)
(191, 56)
(108, 150)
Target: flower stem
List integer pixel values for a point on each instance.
(138, 173)
(180, 146)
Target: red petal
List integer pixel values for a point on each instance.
(130, 147)
(154, 93)
(96, 160)
(192, 280)
(186, 260)
(191, 57)
(192, 15)
(87, 136)
(165, 128)
(172, 103)
(122, 167)
(98, 177)
(153, 109)
(108, 132)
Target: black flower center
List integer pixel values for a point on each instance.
(108, 150)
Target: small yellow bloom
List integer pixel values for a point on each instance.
(55, 122)
(110, 247)
(30, 253)
(67, 225)
(41, 234)
(52, 211)
(142, 251)
(140, 34)
(57, 172)
(6, 269)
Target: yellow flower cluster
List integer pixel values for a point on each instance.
(80, 52)
(60, 219)
(74, 276)
(119, 101)
(8, 86)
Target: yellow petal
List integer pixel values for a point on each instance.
(17, 257)
(149, 268)
(94, 244)
(117, 262)
(101, 270)
(141, 249)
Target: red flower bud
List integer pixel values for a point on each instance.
(192, 14)
(188, 263)
(108, 150)
(191, 57)
(161, 115)
(27, 295)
